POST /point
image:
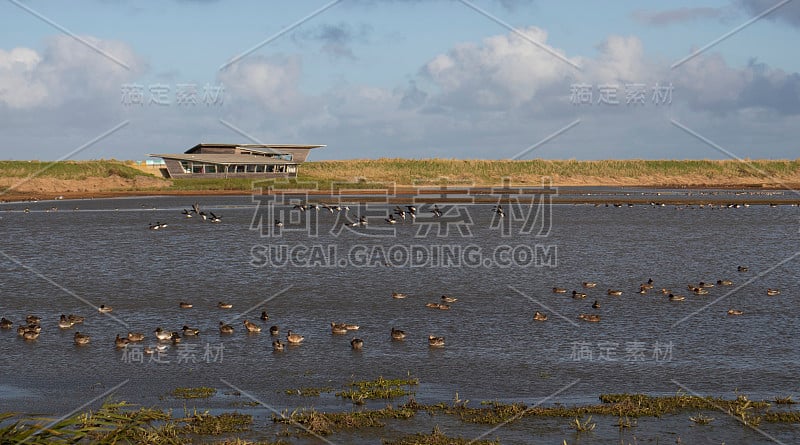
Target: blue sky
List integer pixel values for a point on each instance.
(394, 78)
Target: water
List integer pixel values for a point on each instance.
(70, 261)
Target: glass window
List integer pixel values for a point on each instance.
(187, 168)
(211, 168)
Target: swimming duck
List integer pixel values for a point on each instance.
(185, 305)
(447, 299)
(64, 323)
(162, 334)
(398, 295)
(121, 342)
(699, 291)
(75, 319)
(352, 327)
(648, 285)
(34, 328)
(538, 316)
(614, 292)
(252, 327)
(735, 312)
(397, 334)
(435, 341)
(724, 282)
(704, 285)
(293, 338)
(589, 284)
(773, 292)
(225, 328)
(666, 291)
(30, 334)
(149, 350)
(576, 294)
(190, 332)
(277, 345)
(596, 305)
(594, 318)
(264, 316)
(559, 290)
(432, 305)
(135, 336)
(5, 323)
(673, 297)
(223, 305)
(443, 306)
(105, 309)
(32, 319)
(338, 328)
(642, 290)
(81, 339)
(176, 338)
(273, 330)
(356, 343)
(742, 269)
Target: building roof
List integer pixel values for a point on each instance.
(258, 148)
(224, 159)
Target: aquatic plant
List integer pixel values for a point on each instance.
(701, 419)
(206, 424)
(379, 388)
(585, 426)
(436, 437)
(315, 422)
(200, 392)
(784, 400)
(308, 392)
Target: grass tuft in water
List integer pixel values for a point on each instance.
(200, 392)
(436, 437)
(379, 388)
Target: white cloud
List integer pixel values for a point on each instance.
(270, 84)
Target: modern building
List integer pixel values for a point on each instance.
(236, 160)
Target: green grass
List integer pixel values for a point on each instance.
(68, 169)
(200, 392)
(379, 388)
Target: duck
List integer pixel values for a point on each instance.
(559, 290)
(594, 318)
(596, 305)
(81, 339)
(538, 316)
(30, 334)
(643, 289)
(225, 328)
(162, 334)
(135, 337)
(121, 342)
(32, 319)
(149, 350)
(185, 305)
(223, 305)
(356, 343)
(64, 323)
(398, 295)
(773, 292)
(264, 316)
(176, 338)
(432, 305)
(277, 345)
(576, 294)
(724, 283)
(699, 291)
(648, 285)
(589, 284)
(293, 338)
(190, 332)
(443, 306)
(397, 334)
(278, 223)
(435, 341)
(5, 323)
(742, 269)
(352, 327)
(252, 327)
(614, 292)
(665, 291)
(273, 330)
(338, 328)
(705, 285)
(447, 299)
(104, 309)
(735, 312)
(673, 297)
(75, 319)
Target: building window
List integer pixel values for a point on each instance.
(211, 168)
(187, 167)
(197, 168)
(259, 169)
(291, 168)
(251, 168)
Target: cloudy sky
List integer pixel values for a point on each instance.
(490, 79)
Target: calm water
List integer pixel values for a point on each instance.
(70, 261)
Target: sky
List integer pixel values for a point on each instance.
(472, 79)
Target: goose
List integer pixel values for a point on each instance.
(64, 323)
(301, 207)
(593, 318)
(642, 290)
(436, 212)
(362, 221)
(81, 339)
(225, 328)
(773, 292)
(203, 215)
(252, 327)
(264, 316)
(327, 207)
(400, 212)
(498, 209)
(162, 225)
(223, 305)
(186, 213)
(155, 226)
(673, 297)
(277, 345)
(5, 323)
(576, 294)
(215, 218)
(149, 350)
(293, 338)
(352, 327)
(273, 330)
(398, 295)
(724, 283)
(397, 334)
(185, 305)
(648, 285)
(135, 336)
(596, 305)
(338, 328)
(390, 220)
(538, 316)
(162, 334)
(196, 208)
(614, 292)
(589, 284)
(447, 299)
(356, 343)
(559, 290)
(435, 341)
(735, 312)
(190, 332)
(412, 211)
(121, 342)
(75, 319)
(105, 309)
